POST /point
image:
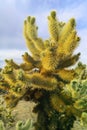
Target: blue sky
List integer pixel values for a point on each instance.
(13, 13)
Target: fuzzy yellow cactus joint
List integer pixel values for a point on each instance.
(53, 26)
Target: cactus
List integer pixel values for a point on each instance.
(19, 126)
(53, 26)
(2, 125)
(6, 115)
(45, 78)
(26, 126)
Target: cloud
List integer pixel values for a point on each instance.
(83, 45)
(11, 54)
(77, 12)
(7, 54)
(11, 23)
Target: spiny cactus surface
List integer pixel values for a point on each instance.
(45, 78)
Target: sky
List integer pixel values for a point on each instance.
(13, 13)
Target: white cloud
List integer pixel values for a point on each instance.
(82, 48)
(9, 54)
(77, 12)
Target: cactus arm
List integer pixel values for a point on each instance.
(71, 43)
(11, 63)
(69, 61)
(31, 28)
(28, 59)
(29, 43)
(32, 34)
(66, 75)
(66, 30)
(53, 27)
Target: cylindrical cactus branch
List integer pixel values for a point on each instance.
(53, 27)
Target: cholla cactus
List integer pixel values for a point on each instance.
(19, 126)
(2, 125)
(44, 75)
(77, 90)
(5, 114)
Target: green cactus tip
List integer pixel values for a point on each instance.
(28, 18)
(53, 14)
(73, 22)
(32, 20)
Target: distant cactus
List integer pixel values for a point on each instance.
(19, 126)
(2, 125)
(45, 78)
